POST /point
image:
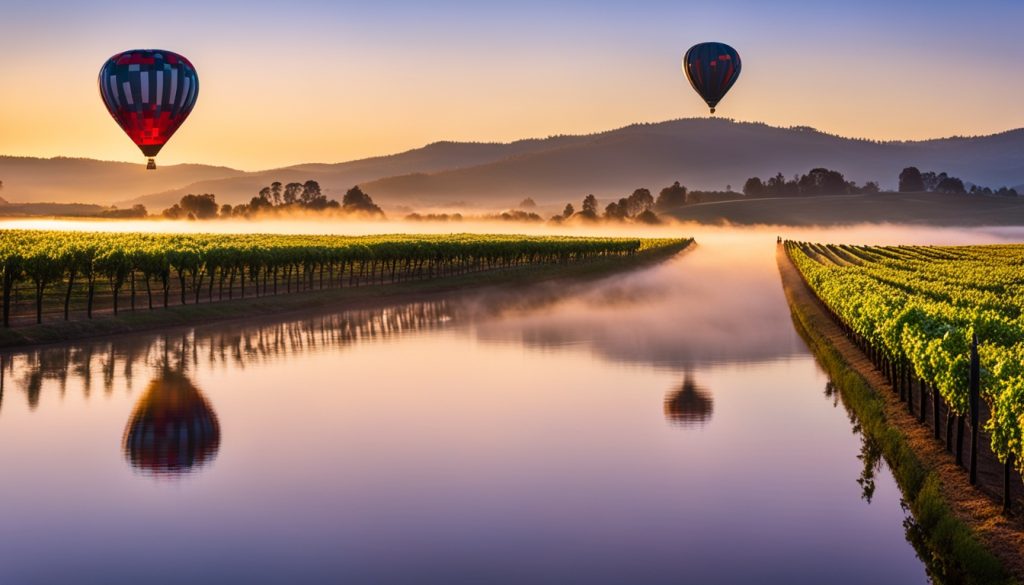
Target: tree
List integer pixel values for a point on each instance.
(616, 209)
(822, 181)
(225, 210)
(275, 193)
(568, 211)
(870, 187)
(671, 197)
(527, 203)
(135, 211)
(257, 204)
(200, 206)
(311, 195)
(640, 201)
(931, 180)
(265, 194)
(358, 202)
(590, 204)
(648, 216)
(753, 187)
(911, 181)
(950, 185)
(292, 193)
(173, 212)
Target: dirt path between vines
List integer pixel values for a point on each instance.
(1003, 536)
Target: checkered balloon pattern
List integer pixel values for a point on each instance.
(149, 93)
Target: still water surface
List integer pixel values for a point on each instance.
(663, 426)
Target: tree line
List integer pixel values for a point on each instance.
(818, 181)
(276, 198)
(912, 180)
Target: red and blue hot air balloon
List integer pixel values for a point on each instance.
(149, 93)
(712, 68)
(173, 429)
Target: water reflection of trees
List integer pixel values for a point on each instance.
(689, 405)
(870, 454)
(172, 430)
(238, 345)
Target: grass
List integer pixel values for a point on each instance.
(951, 550)
(341, 298)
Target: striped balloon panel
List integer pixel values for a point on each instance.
(173, 429)
(712, 69)
(149, 93)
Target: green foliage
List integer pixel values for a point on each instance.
(44, 257)
(923, 305)
(952, 551)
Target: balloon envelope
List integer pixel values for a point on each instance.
(690, 405)
(173, 430)
(712, 69)
(149, 93)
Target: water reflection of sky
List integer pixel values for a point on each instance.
(658, 426)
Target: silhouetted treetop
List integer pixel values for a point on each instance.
(670, 197)
(911, 180)
(357, 201)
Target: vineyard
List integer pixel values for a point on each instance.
(64, 275)
(946, 321)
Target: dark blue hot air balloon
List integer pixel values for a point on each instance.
(712, 68)
(149, 93)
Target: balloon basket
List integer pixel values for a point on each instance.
(151, 165)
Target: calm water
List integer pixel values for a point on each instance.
(663, 426)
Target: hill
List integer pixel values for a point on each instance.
(80, 180)
(702, 153)
(338, 178)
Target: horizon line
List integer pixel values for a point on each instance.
(715, 119)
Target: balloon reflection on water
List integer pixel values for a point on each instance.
(172, 430)
(689, 405)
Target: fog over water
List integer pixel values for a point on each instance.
(661, 425)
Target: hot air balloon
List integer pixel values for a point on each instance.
(690, 405)
(149, 93)
(712, 68)
(173, 430)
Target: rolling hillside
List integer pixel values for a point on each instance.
(337, 178)
(79, 180)
(702, 153)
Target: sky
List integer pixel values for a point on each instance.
(318, 81)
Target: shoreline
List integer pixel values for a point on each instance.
(29, 336)
(964, 529)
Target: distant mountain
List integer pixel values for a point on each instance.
(44, 209)
(337, 178)
(701, 153)
(80, 180)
